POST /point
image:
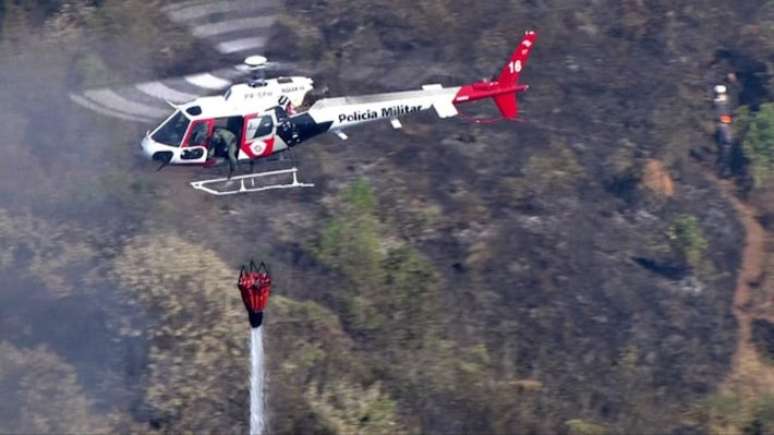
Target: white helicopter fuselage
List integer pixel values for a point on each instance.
(260, 114)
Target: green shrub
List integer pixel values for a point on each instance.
(724, 410)
(758, 142)
(350, 242)
(764, 412)
(688, 239)
(577, 426)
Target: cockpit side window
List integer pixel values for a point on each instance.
(173, 130)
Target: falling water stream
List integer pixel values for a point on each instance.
(257, 421)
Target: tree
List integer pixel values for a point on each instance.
(40, 393)
(391, 290)
(197, 334)
(351, 409)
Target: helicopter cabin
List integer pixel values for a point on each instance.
(251, 112)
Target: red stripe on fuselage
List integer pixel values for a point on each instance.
(269, 146)
(267, 150)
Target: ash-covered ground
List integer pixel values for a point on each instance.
(447, 278)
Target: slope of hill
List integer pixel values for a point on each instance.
(573, 273)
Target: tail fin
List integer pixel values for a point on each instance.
(502, 90)
(509, 76)
(509, 107)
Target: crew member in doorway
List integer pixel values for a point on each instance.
(225, 142)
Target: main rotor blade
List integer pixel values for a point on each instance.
(213, 22)
(147, 101)
(231, 26)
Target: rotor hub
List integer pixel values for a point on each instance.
(255, 63)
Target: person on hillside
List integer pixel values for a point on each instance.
(724, 132)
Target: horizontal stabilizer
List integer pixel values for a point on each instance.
(340, 134)
(445, 109)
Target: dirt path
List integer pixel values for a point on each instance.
(751, 269)
(750, 377)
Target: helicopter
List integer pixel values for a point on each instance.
(265, 117)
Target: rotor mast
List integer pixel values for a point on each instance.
(257, 67)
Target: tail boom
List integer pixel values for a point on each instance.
(336, 114)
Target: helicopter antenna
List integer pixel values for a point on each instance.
(257, 67)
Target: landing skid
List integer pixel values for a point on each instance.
(249, 183)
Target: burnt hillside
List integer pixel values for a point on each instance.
(572, 273)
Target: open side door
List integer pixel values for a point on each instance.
(193, 151)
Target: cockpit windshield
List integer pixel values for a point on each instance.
(173, 131)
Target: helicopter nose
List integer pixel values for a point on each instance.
(147, 147)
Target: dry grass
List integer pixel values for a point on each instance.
(351, 409)
(656, 178)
